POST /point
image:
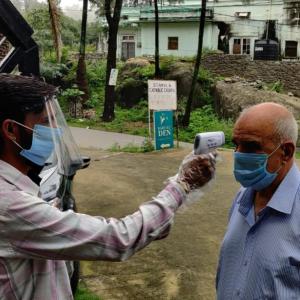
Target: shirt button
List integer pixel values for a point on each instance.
(245, 263)
(238, 293)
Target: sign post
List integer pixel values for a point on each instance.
(162, 94)
(163, 129)
(162, 99)
(113, 77)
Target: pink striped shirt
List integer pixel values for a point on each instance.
(36, 239)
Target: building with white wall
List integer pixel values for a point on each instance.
(231, 26)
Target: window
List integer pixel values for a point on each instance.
(241, 46)
(173, 43)
(291, 48)
(246, 46)
(243, 15)
(127, 38)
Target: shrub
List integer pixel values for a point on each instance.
(203, 120)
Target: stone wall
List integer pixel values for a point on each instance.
(288, 72)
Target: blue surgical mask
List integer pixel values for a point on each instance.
(250, 170)
(42, 144)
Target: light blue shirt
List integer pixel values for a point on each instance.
(260, 259)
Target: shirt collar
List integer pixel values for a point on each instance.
(18, 179)
(283, 198)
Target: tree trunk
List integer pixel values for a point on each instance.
(81, 76)
(186, 118)
(157, 69)
(55, 24)
(113, 26)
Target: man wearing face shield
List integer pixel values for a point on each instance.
(36, 238)
(260, 254)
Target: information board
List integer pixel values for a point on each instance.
(163, 129)
(162, 94)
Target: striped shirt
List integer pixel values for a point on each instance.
(36, 239)
(260, 258)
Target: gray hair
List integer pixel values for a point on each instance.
(286, 128)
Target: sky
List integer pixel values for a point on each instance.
(73, 8)
(65, 3)
(68, 3)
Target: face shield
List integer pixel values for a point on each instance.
(65, 156)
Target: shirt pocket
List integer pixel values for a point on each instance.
(279, 279)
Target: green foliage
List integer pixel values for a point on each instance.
(96, 73)
(203, 120)
(145, 72)
(206, 80)
(166, 63)
(128, 82)
(83, 293)
(277, 87)
(69, 95)
(72, 92)
(70, 31)
(92, 33)
(39, 20)
(204, 76)
(147, 146)
(51, 71)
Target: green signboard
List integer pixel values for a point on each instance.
(163, 129)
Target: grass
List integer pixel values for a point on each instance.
(135, 121)
(83, 293)
(147, 146)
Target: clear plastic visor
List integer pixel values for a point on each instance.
(66, 155)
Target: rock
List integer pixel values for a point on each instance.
(131, 92)
(227, 80)
(231, 99)
(182, 73)
(89, 114)
(290, 94)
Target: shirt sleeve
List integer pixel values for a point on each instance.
(31, 228)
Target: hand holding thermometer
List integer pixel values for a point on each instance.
(208, 141)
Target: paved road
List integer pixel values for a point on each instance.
(179, 267)
(96, 139)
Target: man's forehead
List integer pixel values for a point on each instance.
(249, 129)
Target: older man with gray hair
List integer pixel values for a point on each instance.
(260, 254)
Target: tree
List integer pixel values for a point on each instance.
(112, 14)
(157, 69)
(81, 76)
(55, 25)
(38, 18)
(186, 118)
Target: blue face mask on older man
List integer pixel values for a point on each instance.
(250, 170)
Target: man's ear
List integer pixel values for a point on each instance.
(8, 130)
(288, 151)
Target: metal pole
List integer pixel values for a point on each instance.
(268, 23)
(149, 120)
(177, 128)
